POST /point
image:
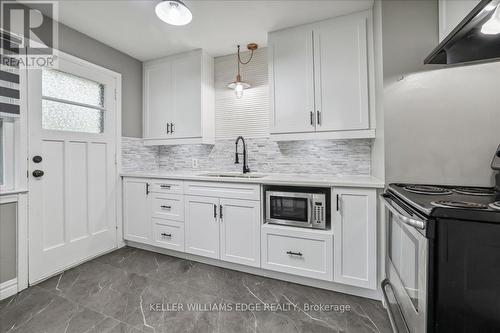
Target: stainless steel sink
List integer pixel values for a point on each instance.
(232, 175)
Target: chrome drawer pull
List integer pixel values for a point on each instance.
(294, 253)
(166, 235)
(166, 207)
(165, 186)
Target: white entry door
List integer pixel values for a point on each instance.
(72, 165)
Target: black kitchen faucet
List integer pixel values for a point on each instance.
(246, 169)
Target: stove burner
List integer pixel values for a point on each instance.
(458, 204)
(426, 189)
(495, 205)
(474, 191)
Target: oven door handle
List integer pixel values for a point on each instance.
(405, 219)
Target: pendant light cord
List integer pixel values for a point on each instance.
(243, 62)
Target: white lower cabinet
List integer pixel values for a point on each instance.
(168, 206)
(136, 210)
(223, 228)
(297, 251)
(354, 225)
(202, 226)
(224, 221)
(240, 231)
(168, 234)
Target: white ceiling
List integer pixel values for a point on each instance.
(132, 27)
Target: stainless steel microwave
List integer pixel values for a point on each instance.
(299, 207)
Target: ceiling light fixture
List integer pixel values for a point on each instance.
(492, 26)
(173, 12)
(239, 85)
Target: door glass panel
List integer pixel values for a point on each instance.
(68, 117)
(71, 103)
(289, 208)
(71, 88)
(404, 254)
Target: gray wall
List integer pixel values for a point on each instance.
(82, 46)
(8, 265)
(87, 48)
(441, 126)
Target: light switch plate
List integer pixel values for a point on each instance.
(495, 164)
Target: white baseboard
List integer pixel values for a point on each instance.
(361, 292)
(8, 288)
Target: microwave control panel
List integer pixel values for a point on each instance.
(319, 211)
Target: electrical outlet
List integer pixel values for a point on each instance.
(195, 163)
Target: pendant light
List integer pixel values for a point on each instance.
(238, 86)
(173, 12)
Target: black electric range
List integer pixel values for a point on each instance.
(443, 257)
(442, 201)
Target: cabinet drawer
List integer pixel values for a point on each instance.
(302, 253)
(223, 190)
(166, 186)
(168, 206)
(168, 234)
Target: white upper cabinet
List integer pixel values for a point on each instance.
(291, 64)
(341, 74)
(322, 79)
(179, 99)
(451, 13)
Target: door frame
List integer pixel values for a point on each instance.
(118, 128)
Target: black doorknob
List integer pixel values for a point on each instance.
(38, 173)
(37, 159)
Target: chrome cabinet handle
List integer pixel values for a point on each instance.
(165, 186)
(166, 235)
(312, 118)
(318, 117)
(166, 207)
(407, 220)
(220, 213)
(292, 253)
(168, 128)
(215, 211)
(171, 128)
(147, 188)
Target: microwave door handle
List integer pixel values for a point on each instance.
(310, 207)
(407, 220)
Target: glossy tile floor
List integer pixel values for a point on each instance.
(131, 290)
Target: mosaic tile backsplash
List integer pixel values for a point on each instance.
(331, 157)
(137, 157)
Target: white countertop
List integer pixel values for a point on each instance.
(268, 179)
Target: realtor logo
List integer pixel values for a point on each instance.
(29, 29)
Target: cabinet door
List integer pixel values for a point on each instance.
(355, 237)
(341, 74)
(291, 78)
(136, 210)
(202, 226)
(240, 231)
(186, 88)
(158, 99)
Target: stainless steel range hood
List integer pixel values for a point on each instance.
(476, 38)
